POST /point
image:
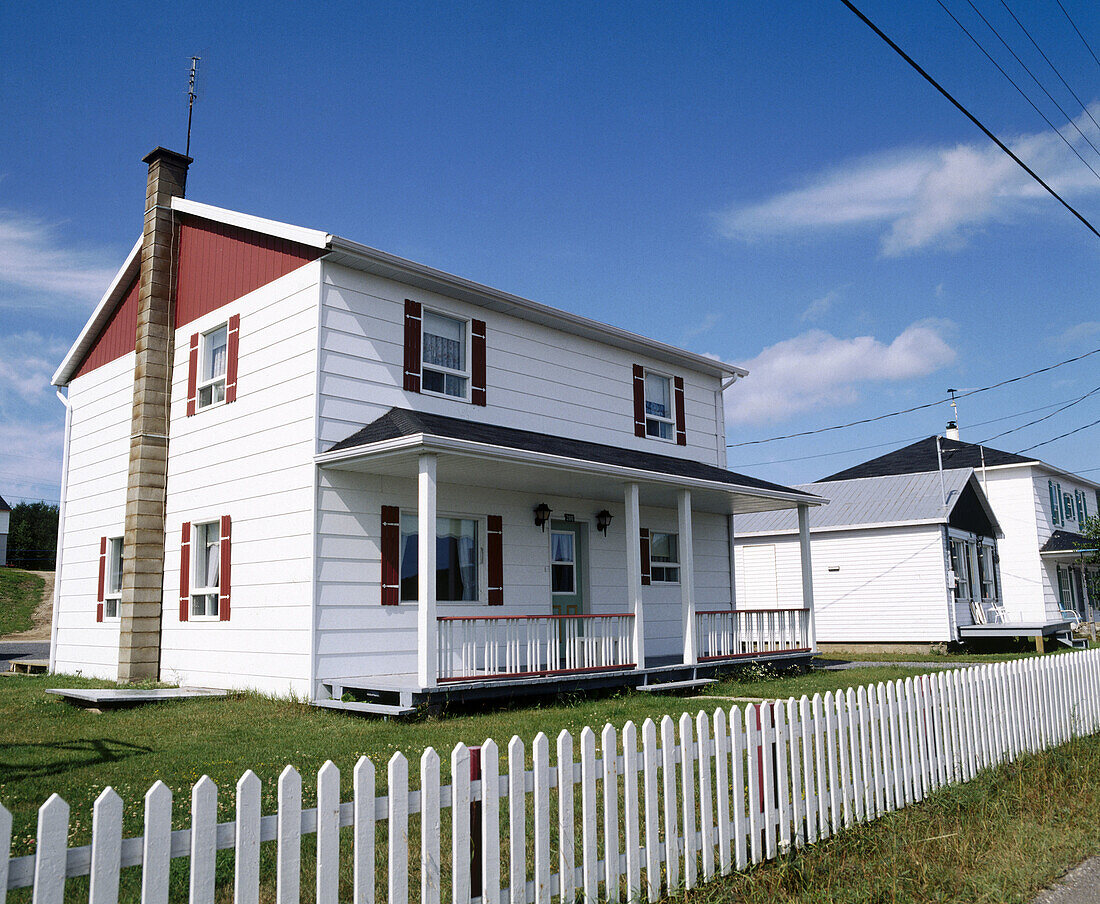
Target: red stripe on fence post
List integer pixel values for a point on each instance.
(475, 825)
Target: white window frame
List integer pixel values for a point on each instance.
(482, 522)
(987, 570)
(657, 419)
(199, 547)
(112, 579)
(667, 567)
(203, 383)
(466, 375)
(963, 579)
(1068, 509)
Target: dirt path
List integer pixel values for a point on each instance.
(42, 616)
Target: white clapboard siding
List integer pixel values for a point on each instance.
(805, 768)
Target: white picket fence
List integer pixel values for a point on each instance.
(757, 781)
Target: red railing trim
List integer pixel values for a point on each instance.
(746, 611)
(530, 617)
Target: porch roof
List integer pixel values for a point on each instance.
(389, 445)
(1065, 544)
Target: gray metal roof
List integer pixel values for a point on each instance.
(868, 501)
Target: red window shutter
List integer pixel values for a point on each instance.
(185, 571)
(477, 363)
(225, 583)
(639, 400)
(102, 578)
(496, 560)
(193, 374)
(643, 543)
(391, 555)
(232, 341)
(681, 431)
(412, 345)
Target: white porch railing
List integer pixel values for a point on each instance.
(725, 634)
(531, 645)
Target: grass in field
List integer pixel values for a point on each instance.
(20, 595)
(998, 839)
(49, 746)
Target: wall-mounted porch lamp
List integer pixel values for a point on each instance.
(603, 521)
(542, 515)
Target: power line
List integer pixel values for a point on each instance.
(897, 442)
(1053, 68)
(1022, 92)
(1062, 436)
(882, 417)
(878, 31)
(1045, 417)
(1076, 29)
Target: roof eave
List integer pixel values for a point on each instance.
(384, 263)
(100, 315)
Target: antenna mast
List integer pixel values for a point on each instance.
(191, 100)
(954, 407)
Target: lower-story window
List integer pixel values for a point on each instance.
(960, 565)
(112, 590)
(206, 572)
(664, 557)
(457, 553)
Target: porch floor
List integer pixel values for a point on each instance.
(404, 690)
(1014, 629)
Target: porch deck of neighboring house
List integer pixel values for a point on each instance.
(493, 657)
(1060, 631)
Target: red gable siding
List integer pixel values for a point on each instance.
(117, 338)
(220, 263)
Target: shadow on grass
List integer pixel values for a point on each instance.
(23, 761)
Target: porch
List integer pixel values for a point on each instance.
(466, 647)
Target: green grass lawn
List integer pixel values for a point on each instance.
(48, 746)
(20, 595)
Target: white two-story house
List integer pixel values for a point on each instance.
(322, 406)
(1040, 508)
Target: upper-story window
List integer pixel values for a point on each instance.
(446, 367)
(214, 357)
(659, 421)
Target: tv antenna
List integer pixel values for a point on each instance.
(954, 407)
(191, 95)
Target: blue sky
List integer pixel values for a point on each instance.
(763, 182)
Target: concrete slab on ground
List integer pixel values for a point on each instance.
(106, 697)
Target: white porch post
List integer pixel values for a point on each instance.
(687, 577)
(807, 573)
(634, 570)
(427, 664)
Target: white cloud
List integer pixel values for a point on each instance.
(27, 361)
(921, 198)
(819, 307)
(33, 257)
(816, 370)
(1079, 332)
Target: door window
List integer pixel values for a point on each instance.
(563, 562)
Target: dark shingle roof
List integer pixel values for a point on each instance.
(398, 422)
(4, 507)
(1067, 541)
(921, 456)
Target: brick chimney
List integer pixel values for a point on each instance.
(143, 564)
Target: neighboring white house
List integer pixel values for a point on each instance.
(898, 559)
(5, 517)
(1039, 508)
(329, 404)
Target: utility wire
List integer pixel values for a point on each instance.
(1076, 29)
(1053, 68)
(1062, 436)
(897, 442)
(1044, 417)
(1024, 66)
(882, 417)
(988, 134)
